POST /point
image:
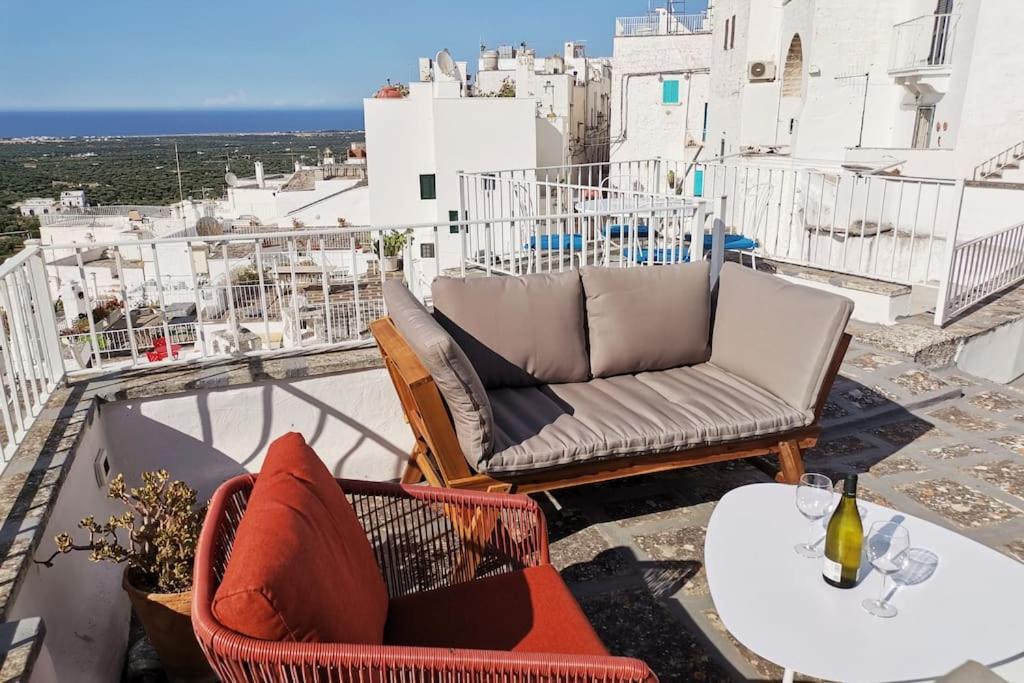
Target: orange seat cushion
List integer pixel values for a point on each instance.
(525, 611)
(301, 568)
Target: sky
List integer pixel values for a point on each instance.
(189, 54)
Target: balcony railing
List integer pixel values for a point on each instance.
(661, 24)
(925, 43)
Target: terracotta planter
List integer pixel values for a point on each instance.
(166, 617)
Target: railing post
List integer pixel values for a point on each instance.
(50, 331)
(942, 298)
(717, 240)
(697, 230)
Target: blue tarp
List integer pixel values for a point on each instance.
(550, 242)
(732, 242)
(617, 230)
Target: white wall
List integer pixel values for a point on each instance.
(81, 602)
(423, 134)
(353, 420)
(641, 126)
(352, 204)
(978, 105)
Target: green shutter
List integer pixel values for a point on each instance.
(428, 186)
(670, 92)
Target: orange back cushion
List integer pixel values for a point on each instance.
(301, 568)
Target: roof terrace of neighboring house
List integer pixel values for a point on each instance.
(235, 338)
(662, 21)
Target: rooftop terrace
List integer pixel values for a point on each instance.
(932, 441)
(936, 443)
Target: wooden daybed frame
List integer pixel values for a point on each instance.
(437, 455)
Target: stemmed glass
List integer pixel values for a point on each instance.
(813, 499)
(886, 548)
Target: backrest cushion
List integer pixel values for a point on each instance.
(517, 331)
(778, 335)
(647, 318)
(453, 374)
(301, 567)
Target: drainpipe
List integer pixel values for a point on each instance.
(624, 100)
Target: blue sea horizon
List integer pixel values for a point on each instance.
(101, 123)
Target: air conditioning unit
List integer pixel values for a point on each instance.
(761, 71)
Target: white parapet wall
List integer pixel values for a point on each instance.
(352, 419)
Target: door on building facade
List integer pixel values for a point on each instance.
(923, 128)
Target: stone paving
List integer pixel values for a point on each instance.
(934, 443)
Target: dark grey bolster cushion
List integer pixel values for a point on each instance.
(778, 335)
(517, 331)
(453, 373)
(642, 319)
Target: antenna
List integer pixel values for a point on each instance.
(181, 195)
(231, 179)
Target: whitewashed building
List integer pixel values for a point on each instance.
(37, 206)
(572, 92)
(928, 87)
(660, 85)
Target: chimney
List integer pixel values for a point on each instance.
(259, 174)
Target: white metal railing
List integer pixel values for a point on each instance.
(997, 162)
(980, 268)
(542, 219)
(925, 42)
(122, 210)
(117, 342)
(29, 350)
(662, 23)
(890, 228)
(195, 292)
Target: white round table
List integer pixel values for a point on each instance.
(777, 604)
(635, 204)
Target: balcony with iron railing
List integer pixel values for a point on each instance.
(924, 44)
(662, 23)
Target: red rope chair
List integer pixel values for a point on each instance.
(424, 538)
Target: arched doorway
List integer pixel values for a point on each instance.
(793, 73)
(792, 91)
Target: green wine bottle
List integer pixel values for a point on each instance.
(844, 539)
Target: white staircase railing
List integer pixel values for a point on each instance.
(998, 162)
(980, 268)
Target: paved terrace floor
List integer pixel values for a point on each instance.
(934, 443)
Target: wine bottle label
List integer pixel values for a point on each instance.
(832, 570)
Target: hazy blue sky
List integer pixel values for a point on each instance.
(185, 54)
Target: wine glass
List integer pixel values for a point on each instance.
(813, 499)
(886, 548)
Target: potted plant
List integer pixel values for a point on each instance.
(155, 538)
(394, 242)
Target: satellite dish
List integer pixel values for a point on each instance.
(446, 64)
(231, 179)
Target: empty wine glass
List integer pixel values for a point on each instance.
(813, 499)
(886, 548)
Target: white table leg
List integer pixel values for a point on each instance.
(787, 676)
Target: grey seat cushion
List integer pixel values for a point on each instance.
(647, 318)
(454, 375)
(666, 410)
(517, 331)
(778, 335)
